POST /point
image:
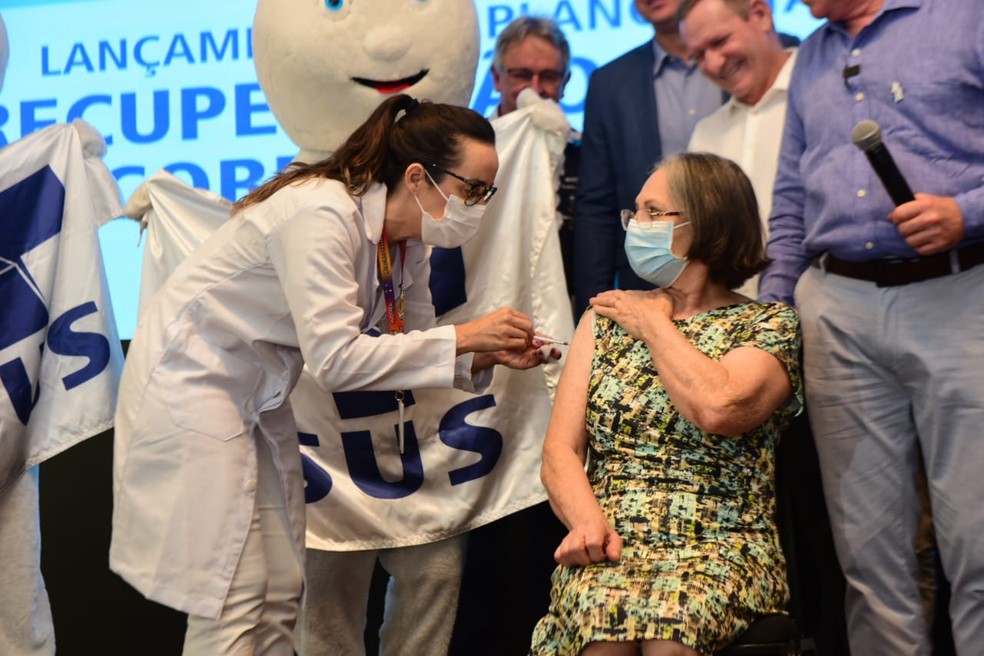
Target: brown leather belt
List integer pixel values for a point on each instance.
(894, 272)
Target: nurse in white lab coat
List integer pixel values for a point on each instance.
(209, 506)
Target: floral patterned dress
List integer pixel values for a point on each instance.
(701, 555)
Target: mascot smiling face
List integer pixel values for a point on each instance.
(325, 65)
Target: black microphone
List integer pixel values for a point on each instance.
(867, 136)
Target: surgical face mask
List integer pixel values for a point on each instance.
(459, 223)
(650, 254)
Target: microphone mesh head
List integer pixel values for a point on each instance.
(866, 134)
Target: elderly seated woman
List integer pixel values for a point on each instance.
(659, 457)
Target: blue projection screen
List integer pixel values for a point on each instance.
(172, 85)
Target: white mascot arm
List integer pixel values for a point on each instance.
(547, 114)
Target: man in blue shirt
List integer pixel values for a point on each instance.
(891, 299)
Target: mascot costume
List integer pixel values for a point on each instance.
(55, 192)
(467, 460)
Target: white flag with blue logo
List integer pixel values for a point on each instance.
(60, 355)
(468, 459)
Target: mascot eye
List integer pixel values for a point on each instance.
(334, 5)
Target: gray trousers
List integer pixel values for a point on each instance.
(421, 599)
(891, 371)
(26, 628)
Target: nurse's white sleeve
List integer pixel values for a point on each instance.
(314, 254)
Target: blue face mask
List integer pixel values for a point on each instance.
(650, 254)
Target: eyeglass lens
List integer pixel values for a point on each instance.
(549, 76)
(645, 217)
(478, 191)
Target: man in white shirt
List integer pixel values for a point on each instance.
(736, 45)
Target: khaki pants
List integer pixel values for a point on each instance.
(261, 609)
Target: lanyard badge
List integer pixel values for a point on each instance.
(395, 309)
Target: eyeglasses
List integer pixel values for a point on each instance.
(646, 221)
(548, 78)
(478, 191)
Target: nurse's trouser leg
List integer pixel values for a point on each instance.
(26, 628)
(261, 609)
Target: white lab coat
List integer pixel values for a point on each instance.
(289, 281)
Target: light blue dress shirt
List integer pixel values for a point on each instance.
(922, 80)
(683, 96)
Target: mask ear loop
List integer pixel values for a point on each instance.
(446, 199)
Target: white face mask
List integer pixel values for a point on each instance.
(459, 223)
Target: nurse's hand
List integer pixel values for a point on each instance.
(502, 330)
(532, 356)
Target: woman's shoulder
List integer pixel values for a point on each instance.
(763, 310)
(308, 200)
(316, 192)
(777, 310)
(750, 317)
(771, 321)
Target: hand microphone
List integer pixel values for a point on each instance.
(867, 136)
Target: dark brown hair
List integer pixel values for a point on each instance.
(399, 132)
(717, 198)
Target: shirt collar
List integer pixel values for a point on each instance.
(373, 208)
(779, 85)
(661, 58)
(887, 6)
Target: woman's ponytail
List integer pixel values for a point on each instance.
(400, 131)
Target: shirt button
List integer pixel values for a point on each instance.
(869, 245)
(862, 193)
(856, 52)
(250, 486)
(859, 96)
(692, 112)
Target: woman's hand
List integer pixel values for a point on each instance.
(528, 358)
(635, 310)
(591, 543)
(532, 356)
(502, 330)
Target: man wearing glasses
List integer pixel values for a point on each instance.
(532, 53)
